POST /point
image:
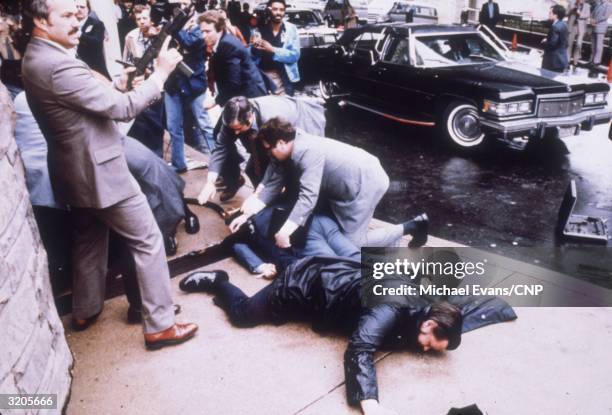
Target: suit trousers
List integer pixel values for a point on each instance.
(574, 51)
(597, 45)
(133, 220)
(374, 186)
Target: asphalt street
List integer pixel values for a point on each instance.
(495, 199)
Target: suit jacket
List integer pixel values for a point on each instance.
(555, 49)
(76, 113)
(602, 10)
(91, 45)
(301, 113)
(234, 71)
(343, 175)
(485, 19)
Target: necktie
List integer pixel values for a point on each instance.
(254, 155)
(9, 49)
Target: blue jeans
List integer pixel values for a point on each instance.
(174, 123)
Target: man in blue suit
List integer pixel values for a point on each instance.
(231, 64)
(555, 45)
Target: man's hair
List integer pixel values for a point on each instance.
(276, 129)
(139, 8)
(35, 9)
(558, 11)
(269, 4)
(246, 6)
(237, 109)
(214, 17)
(449, 321)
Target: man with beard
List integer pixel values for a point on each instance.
(77, 113)
(277, 50)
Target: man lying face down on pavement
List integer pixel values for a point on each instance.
(328, 291)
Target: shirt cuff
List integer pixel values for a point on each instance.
(157, 79)
(289, 227)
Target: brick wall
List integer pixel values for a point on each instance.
(34, 355)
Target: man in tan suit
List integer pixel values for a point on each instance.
(77, 113)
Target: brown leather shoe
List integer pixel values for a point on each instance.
(176, 334)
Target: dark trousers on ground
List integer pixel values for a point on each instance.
(242, 310)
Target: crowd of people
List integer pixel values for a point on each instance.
(304, 224)
(568, 26)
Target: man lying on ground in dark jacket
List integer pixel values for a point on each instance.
(329, 291)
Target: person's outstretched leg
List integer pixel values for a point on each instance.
(242, 310)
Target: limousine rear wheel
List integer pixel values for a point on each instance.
(329, 90)
(460, 124)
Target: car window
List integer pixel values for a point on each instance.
(454, 49)
(302, 19)
(366, 41)
(399, 53)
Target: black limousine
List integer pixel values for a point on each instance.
(460, 80)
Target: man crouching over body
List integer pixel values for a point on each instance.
(328, 291)
(77, 113)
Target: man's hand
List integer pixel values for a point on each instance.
(283, 239)
(121, 83)
(207, 192)
(238, 222)
(167, 60)
(267, 271)
(372, 407)
(252, 205)
(263, 45)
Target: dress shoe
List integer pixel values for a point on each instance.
(80, 324)
(420, 226)
(134, 314)
(176, 334)
(171, 245)
(203, 281)
(192, 224)
(230, 191)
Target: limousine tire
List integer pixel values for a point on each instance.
(460, 126)
(329, 91)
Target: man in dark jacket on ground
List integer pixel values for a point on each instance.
(555, 45)
(231, 64)
(329, 291)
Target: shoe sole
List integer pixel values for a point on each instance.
(166, 343)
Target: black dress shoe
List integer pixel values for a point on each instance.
(171, 245)
(230, 191)
(419, 232)
(192, 224)
(78, 324)
(203, 281)
(134, 314)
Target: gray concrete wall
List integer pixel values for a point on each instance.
(35, 357)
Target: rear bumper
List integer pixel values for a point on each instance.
(540, 127)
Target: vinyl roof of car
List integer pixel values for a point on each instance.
(402, 28)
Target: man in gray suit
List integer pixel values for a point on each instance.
(333, 176)
(241, 119)
(77, 113)
(602, 10)
(579, 13)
